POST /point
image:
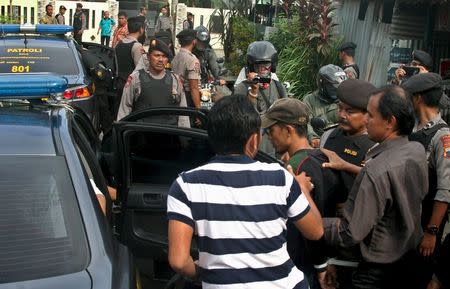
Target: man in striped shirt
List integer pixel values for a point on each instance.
(237, 208)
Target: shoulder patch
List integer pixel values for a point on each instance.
(197, 66)
(446, 145)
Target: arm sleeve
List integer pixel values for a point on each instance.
(311, 133)
(441, 157)
(193, 69)
(213, 65)
(130, 91)
(362, 211)
(296, 202)
(178, 203)
(185, 25)
(183, 120)
(136, 52)
(83, 22)
(158, 24)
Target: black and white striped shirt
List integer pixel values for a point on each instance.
(238, 208)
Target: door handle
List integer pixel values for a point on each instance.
(152, 199)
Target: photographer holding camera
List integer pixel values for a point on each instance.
(260, 88)
(421, 62)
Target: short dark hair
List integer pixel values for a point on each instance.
(48, 5)
(134, 24)
(301, 130)
(142, 8)
(122, 13)
(185, 41)
(349, 52)
(431, 97)
(231, 122)
(395, 102)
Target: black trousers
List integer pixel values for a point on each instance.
(404, 273)
(104, 40)
(77, 36)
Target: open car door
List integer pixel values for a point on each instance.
(149, 157)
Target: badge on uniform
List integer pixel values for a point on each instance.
(351, 152)
(446, 144)
(197, 66)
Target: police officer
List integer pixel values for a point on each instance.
(347, 55)
(260, 87)
(79, 23)
(154, 86)
(205, 54)
(186, 65)
(322, 102)
(434, 134)
(350, 140)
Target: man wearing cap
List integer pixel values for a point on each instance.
(187, 65)
(286, 123)
(48, 17)
(347, 55)
(188, 23)
(154, 86)
(434, 134)
(350, 140)
(351, 143)
(60, 18)
(420, 59)
(79, 23)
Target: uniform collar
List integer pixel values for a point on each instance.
(386, 145)
(436, 120)
(185, 50)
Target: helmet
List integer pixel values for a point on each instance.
(261, 51)
(203, 34)
(329, 78)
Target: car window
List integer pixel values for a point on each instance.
(37, 56)
(41, 230)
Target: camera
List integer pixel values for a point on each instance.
(259, 79)
(411, 70)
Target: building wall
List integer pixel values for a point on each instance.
(25, 10)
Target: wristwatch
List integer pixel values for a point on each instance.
(432, 230)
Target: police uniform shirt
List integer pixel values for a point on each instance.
(48, 20)
(136, 51)
(187, 66)
(438, 155)
(132, 90)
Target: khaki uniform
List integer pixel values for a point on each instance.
(48, 20)
(132, 90)
(187, 66)
(438, 155)
(321, 109)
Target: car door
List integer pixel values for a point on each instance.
(149, 157)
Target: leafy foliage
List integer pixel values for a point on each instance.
(305, 43)
(5, 19)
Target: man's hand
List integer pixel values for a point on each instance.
(427, 245)
(315, 142)
(334, 161)
(285, 159)
(222, 82)
(399, 73)
(328, 278)
(305, 183)
(254, 86)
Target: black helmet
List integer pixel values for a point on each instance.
(261, 51)
(203, 34)
(329, 78)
